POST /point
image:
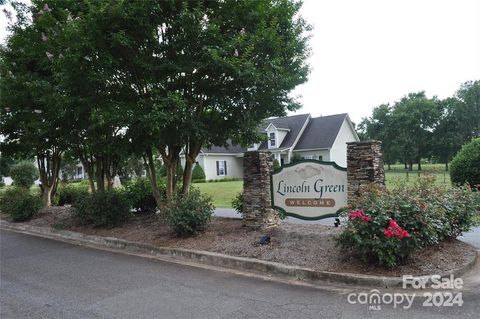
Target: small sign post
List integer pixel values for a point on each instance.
(309, 189)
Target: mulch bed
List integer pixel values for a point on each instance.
(311, 246)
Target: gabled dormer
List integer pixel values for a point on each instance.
(275, 135)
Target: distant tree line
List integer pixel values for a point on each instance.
(107, 81)
(417, 128)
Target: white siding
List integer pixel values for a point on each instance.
(325, 154)
(281, 136)
(209, 165)
(338, 153)
(234, 166)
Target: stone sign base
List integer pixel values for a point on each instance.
(364, 167)
(257, 211)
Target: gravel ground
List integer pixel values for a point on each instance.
(311, 246)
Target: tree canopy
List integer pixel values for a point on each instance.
(108, 80)
(417, 127)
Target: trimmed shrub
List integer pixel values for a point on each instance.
(140, 195)
(462, 209)
(276, 165)
(103, 209)
(198, 175)
(19, 203)
(189, 214)
(69, 194)
(237, 203)
(23, 174)
(226, 179)
(465, 165)
(387, 226)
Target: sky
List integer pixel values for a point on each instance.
(369, 52)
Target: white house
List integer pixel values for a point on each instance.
(322, 138)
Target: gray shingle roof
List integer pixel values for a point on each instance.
(321, 132)
(230, 149)
(293, 123)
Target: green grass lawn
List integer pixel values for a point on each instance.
(440, 168)
(221, 192)
(399, 173)
(224, 192)
(441, 178)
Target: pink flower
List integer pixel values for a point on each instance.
(359, 214)
(393, 230)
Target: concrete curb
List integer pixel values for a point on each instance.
(224, 261)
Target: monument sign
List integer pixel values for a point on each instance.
(309, 189)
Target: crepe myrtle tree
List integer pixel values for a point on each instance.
(31, 119)
(85, 74)
(197, 73)
(249, 57)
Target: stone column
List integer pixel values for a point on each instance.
(364, 167)
(257, 206)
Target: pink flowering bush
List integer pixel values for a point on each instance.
(393, 230)
(375, 237)
(359, 214)
(388, 225)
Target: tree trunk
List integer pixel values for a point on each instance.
(99, 174)
(152, 176)
(187, 175)
(171, 183)
(419, 166)
(191, 153)
(47, 196)
(110, 169)
(410, 165)
(389, 166)
(48, 164)
(405, 164)
(88, 168)
(446, 166)
(170, 155)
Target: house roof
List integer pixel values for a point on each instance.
(321, 132)
(229, 149)
(292, 123)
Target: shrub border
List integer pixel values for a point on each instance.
(250, 266)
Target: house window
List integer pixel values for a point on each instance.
(272, 139)
(314, 157)
(79, 171)
(221, 168)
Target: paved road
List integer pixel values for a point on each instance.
(472, 237)
(42, 278)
